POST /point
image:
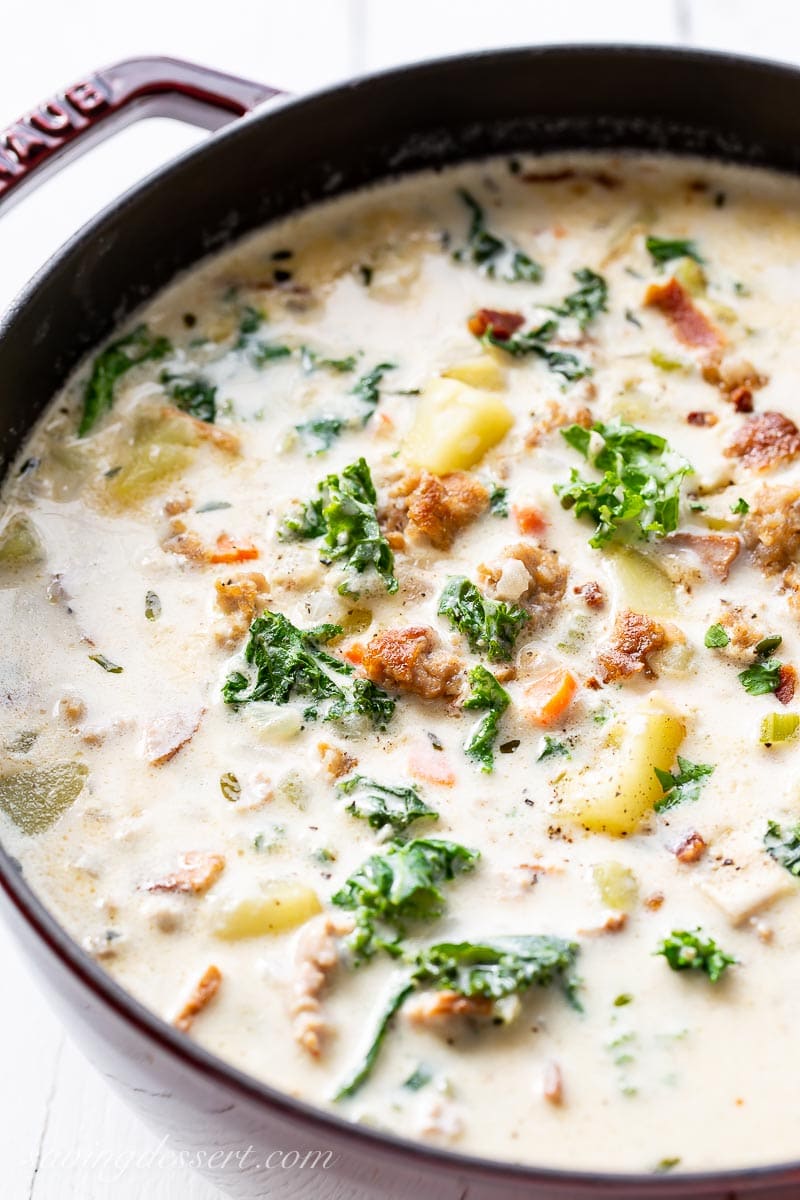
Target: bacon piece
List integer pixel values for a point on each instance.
(438, 1006)
(439, 506)
(635, 637)
(764, 441)
(691, 848)
(716, 551)
(410, 660)
(689, 324)
(201, 996)
(785, 689)
(165, 736)
(197, 871)
(593, 595)
(702, 418)
(497, 321)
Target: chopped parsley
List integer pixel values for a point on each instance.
(741, 506)
(762, 678)
(197, 397)
(587, 301)
(344, 516)
(389, 890)
(490, 626)
(685, 785)
(716, 638)
(664, 250)
(764, 648)
(685, 951)
(290, 662)
(113, 362)
(380, 804)
(489, 697)
(494, 255)
(639, 493)
(367, 389)
(784, 845)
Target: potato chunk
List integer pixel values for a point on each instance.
(643, 585)
(162, 447)
(20, 543)
(281, 905)
(481, 372)
(35, 797)
(615, 802)
(454, 426)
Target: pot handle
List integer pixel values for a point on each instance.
(78, 117)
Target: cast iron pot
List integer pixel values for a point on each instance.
(249, 1138)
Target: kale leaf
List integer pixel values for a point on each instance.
(321, 432)
(552, 748)
(129, 351)
(258, 351)
(686, 784)
(664, 250)
(499, 967)
(402, 885)
(289, 662)
(381, 804)
(490, 626)
(685, 951)
(311, 361)
(640, 487)
(498, 500)
(496, 256)
(536, 341)
(197, 397)
(344, 515)
(367, 388)
(486, 695)
(587, 301)
(784, 847)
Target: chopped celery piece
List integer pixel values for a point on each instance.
(778, 727)
(664, 363)
(35, 797)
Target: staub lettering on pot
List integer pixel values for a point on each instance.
(50, 126)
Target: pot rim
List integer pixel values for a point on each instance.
(156, 1030)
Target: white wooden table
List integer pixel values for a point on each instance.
(62, 1132)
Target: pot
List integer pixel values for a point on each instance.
(247, 1137)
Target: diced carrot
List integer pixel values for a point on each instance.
(529, 519)
(354, 653)
(431, 766)
(229, 551)
(550, 696)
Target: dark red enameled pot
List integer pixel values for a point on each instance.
(284, 155)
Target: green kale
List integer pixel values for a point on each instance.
(552, 748)
(344, 516)
(380, 804)
(784, 847)
(367, 388)
(311, 361)
(499, 967)
(113, 362)
(536, 341)
(498, 500)
(419, 1078)
(321, 432)
(664, 250)
(250, 322)
(762, 678)
(486, 695)
(289, 662)
(258, 352)
(741, 506)
(197, 397)
(497, 257)
(716, 637)
(686, 784)
(402, 885)
(491, 970)
(685, 951)
(587, 301)
(639, 492)
(490, 626)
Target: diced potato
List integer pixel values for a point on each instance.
(35, 797)
(645, 588)
(20, 543)
(273, 722)
(163, 446)
(616, 801)
(282, 905)
(482, 372)
(617, 885)
(454, 426)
